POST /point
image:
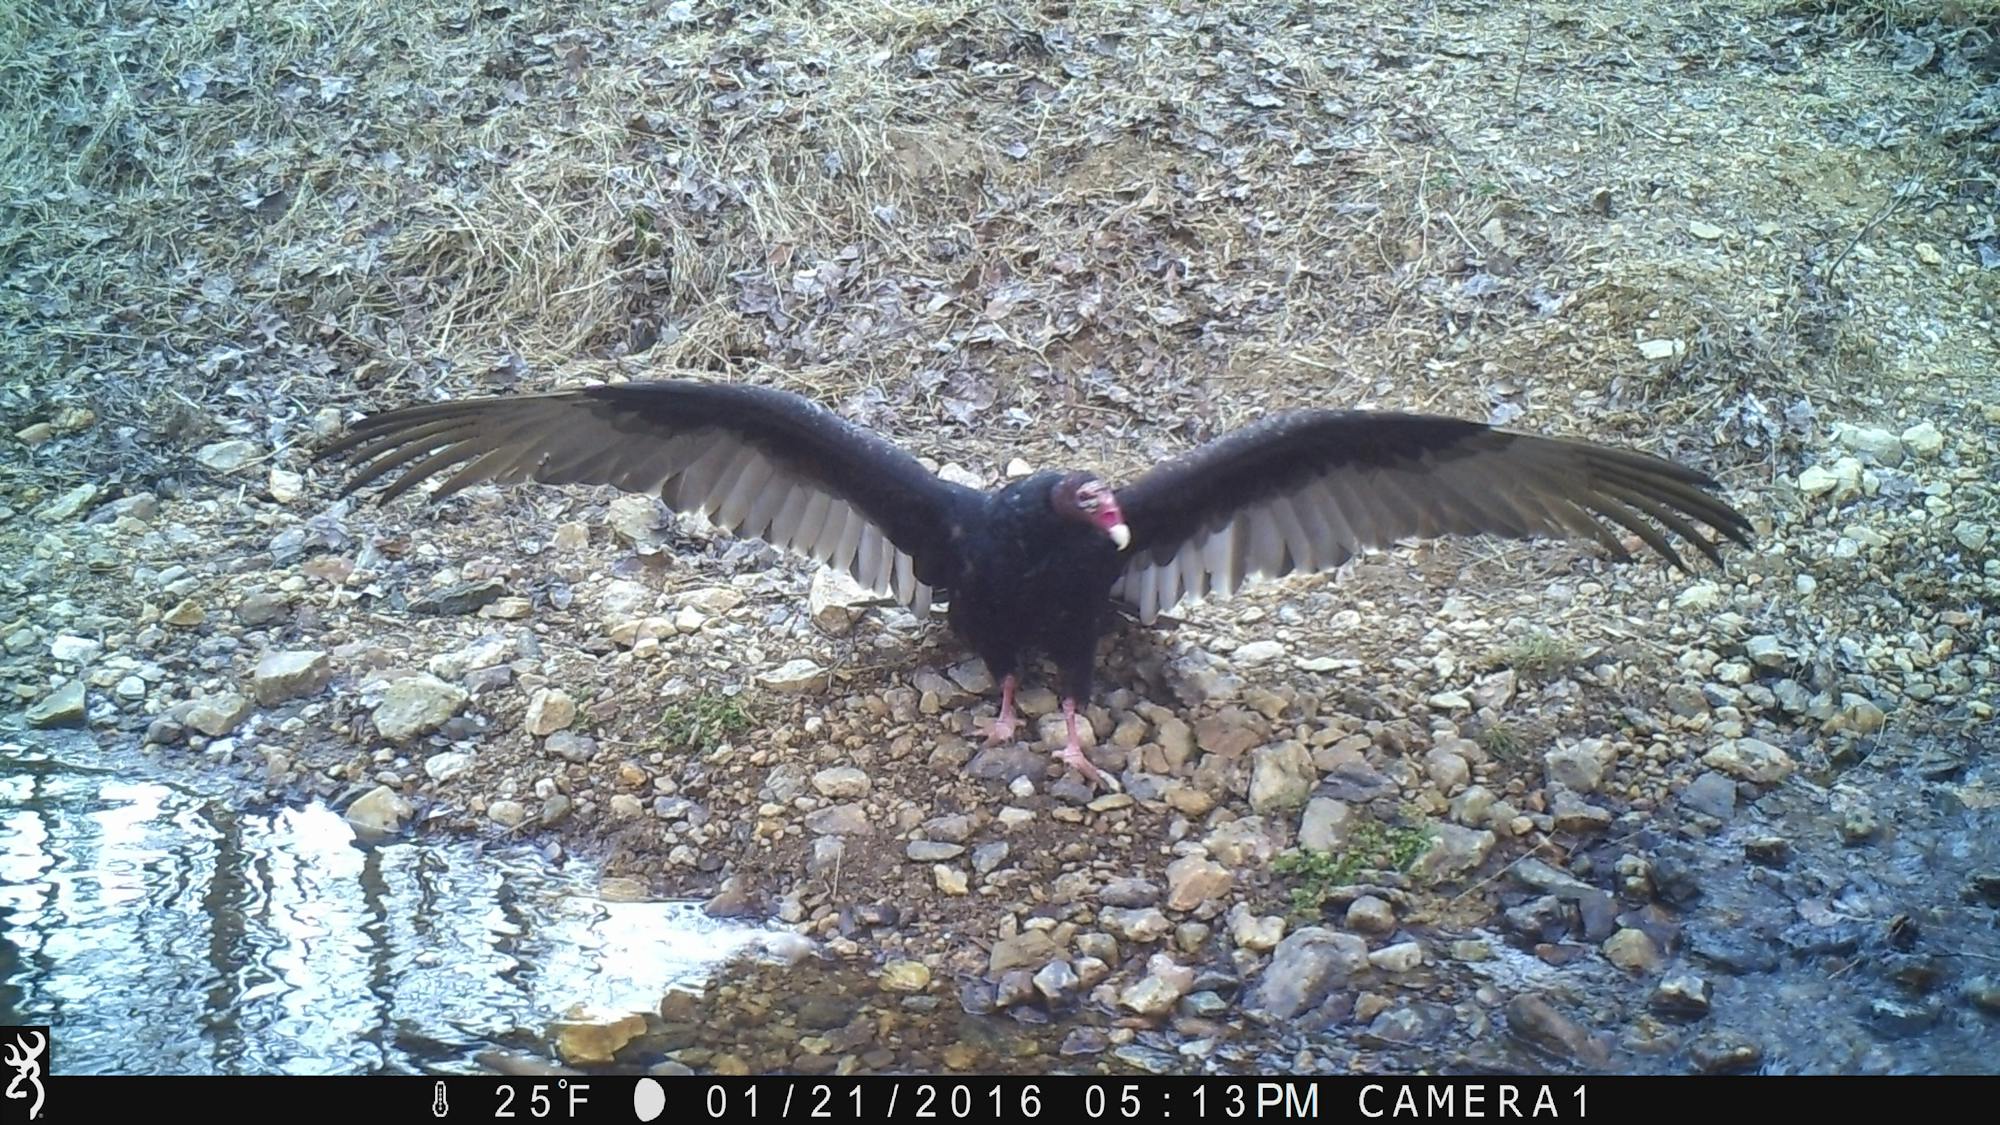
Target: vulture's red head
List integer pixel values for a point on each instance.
(1082, 497)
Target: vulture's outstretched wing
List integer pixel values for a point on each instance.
(1307, 490)
(758, 462)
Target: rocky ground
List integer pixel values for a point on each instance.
(1760, 239)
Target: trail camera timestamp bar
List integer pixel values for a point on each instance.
(947, 1100)
(685, 1100)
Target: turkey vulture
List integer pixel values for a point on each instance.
(1038, 564)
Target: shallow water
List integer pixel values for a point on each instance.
(162, 929)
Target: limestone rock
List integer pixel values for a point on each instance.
(416, 705)
(288, 675)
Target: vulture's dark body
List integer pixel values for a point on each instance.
(1030, 581)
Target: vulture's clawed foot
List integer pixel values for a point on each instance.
(1000, 730)
(1073, 757)
(1072, 754)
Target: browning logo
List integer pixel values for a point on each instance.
(25, 1049)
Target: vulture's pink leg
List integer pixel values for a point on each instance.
(1003, 727)
(1072, 754)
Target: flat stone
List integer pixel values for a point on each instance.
(1699, 596)
(1143, 925)
(829, 852)
(549, 710)
(1712, 794)
(952, 828)
(217, 715)
(1751, 760)
(261, 607)
(842, 783)
(800, 676)
(141, 506)
(1575, 815)
(1162, 987)
(460, 600)
(1398, 958)
(989, 856)
(1056, 981)
(1725, 1052)
(1192, 881)
(74, 650)
(63, 707)
(594, 1036)
(1580, 767)
(1307, 966)
(1257, 933)
(1682, 996)
(835, 601)
(1258, 652)
(284, 675)
(1872, 441)
(1325, 825)
(1029, 949)
(1455, 850)
(1241, 842)
(227, 456)
(416, 705)
(511, 608)
(1923, 439)
(1842, 480)
(1766, 651)
(71, 503)
(713, 600)
(1281, 778)
(1632, 950)
(447, 765)
(639, 520)
(507, 813)
(1371, 915)
(286, 486)
(905, 976)
(379, 812)
(1130, 893)
(571, 747)
(1532, 1019)
(1446, 769)
(1231, 732)
(840, 820)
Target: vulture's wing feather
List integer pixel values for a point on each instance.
(758, 462)
(1307, 490)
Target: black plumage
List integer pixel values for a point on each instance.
(1038, 565)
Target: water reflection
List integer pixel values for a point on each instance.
(161, 929)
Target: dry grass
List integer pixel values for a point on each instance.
(1100, 230)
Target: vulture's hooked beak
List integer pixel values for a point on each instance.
(1112, 522)
(1100, 507)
